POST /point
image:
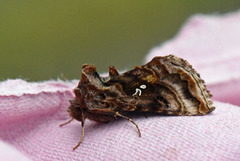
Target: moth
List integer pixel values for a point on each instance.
(166, 85)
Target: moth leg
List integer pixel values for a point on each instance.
(118, 114)
(81, 140)
(66, 122)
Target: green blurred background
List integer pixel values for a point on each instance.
(43, 39)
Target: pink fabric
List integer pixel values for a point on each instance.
(31, 112)
(9, 153)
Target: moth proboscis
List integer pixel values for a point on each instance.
(166, 85)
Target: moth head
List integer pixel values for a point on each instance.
(75, 111)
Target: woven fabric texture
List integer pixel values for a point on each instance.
(30, 112)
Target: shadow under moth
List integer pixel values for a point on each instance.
(166, 85)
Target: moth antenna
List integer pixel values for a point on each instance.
(118, 114)
(81, 140)
(66, 122)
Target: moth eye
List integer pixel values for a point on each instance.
(102, 95)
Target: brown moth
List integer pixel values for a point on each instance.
(167, 85)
